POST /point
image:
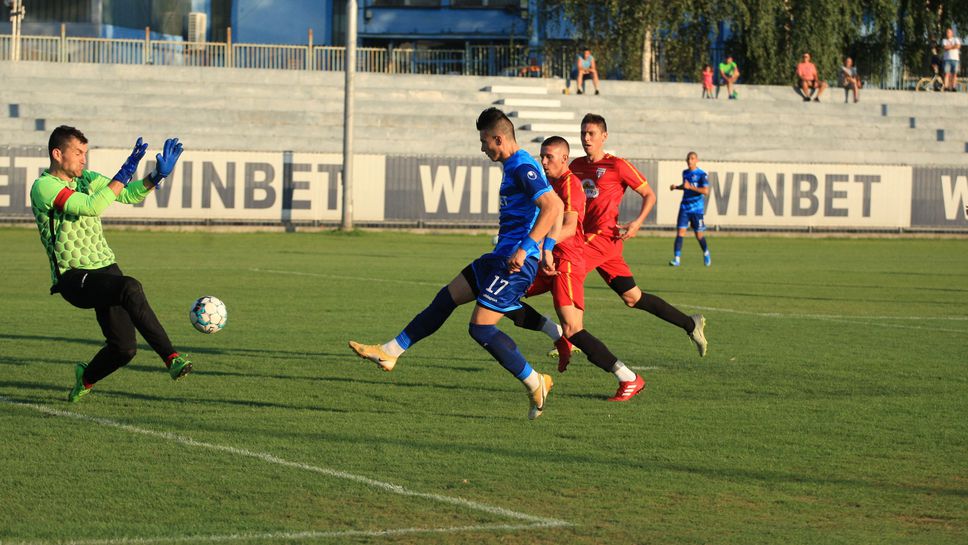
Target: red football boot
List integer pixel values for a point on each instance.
(563, 346)
(628, 390)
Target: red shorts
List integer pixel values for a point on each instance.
(605, 254)
(567, 287)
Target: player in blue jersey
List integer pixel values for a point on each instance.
(694, 186)
(530, 217)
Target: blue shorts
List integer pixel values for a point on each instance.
(499, 289)
(693, 220)
(951, 66)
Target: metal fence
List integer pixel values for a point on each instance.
(485, 60)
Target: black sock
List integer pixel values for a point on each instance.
(526, 317)
(654, 304)
(595, 350)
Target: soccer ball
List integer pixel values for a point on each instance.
(208, 314)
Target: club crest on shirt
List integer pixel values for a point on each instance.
(591, 190)
(599, 172)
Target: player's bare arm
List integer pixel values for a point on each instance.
(547, 253)
(630, 229)
(688, 186)
(550, 207)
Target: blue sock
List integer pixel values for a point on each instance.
(702, 244)
(678, 246)
(502, 347)
(429, 320)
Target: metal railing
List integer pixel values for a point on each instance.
(488, 60)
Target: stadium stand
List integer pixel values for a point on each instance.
(277, 110)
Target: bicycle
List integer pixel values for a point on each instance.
(933, 83)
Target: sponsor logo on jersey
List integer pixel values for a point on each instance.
(532, 175)
(591, 190)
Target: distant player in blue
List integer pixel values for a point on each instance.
(530, 217)
(694, 186)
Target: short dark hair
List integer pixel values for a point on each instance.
(556, 141)
(690, 154)
(493, 119)
(61, 136)
(595, 119)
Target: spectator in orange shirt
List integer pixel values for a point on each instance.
(809, 79)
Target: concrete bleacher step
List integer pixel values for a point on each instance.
(264, 110)
(530, 102)
(516, 90)
(564, 128)
(541, 114)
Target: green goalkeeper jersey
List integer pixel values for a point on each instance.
(76, 207)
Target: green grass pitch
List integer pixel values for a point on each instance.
(832, 407)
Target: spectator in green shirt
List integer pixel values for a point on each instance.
(728, 74)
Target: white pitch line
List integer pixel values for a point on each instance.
(291, 536)
(266, 457)
(826, 316)
(832, 317)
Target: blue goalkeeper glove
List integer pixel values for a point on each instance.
(165, 161)
(131, 165)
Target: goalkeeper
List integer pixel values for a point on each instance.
(67, 202)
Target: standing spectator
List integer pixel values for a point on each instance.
(809, 79)
(585, 65)
(849, 79)
(707, 81)
(952, 58)
(728, 74)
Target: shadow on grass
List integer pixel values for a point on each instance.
(194, 350)
(61, 391)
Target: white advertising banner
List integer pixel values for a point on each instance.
(795, 195)
(253, 186)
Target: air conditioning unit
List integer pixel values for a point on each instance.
(197, 24)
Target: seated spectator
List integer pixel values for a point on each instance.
(849, 79)
(728, 74)
(586, 66)
(533, 69)
(809, 79)
(707, 82)
(952, 58)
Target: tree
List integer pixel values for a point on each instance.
(767, 37)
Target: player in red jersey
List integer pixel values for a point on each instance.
(605, 178)
(566, 276)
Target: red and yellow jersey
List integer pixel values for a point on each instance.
(604, 182)
(568, 187)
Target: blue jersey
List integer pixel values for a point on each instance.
(523, 182)
(692, 202)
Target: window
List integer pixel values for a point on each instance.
(498, 4)
(406, 3)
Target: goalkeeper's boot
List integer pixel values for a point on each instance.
(539, 396)
(564, 347)
(178, 366)
(628, 390)
(553, 353)
(374, 353)
(79, 390)
(697, 334)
